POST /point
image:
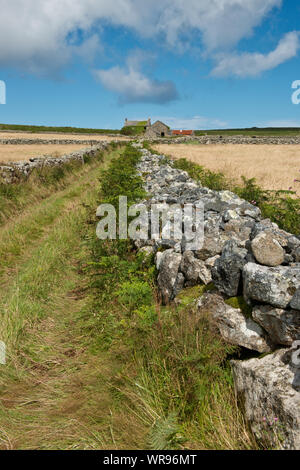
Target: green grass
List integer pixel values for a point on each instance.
(177, 380)
(254, 131)
(42, 182)
(61, 129)
(94, 362)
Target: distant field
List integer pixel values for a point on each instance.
(253, 131)
(10, 153)
(66, 130)
(53, 136)
(259, 132)
(274, 166)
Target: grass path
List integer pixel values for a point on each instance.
(53, 390)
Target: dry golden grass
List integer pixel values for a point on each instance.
(13, 153)
(53, 136)
(273, 166)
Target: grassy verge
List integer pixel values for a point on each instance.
(176, 381)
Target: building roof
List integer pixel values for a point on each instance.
(183, 132)
(160, 123)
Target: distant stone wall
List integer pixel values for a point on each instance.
(35, 141)
(14, 172)
(223, 140)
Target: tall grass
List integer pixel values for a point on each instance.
(176, 378)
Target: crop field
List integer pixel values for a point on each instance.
(275, 167)
(13, 153)
(54, 136)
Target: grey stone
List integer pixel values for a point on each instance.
(233, 326)
(179, 284)
(168, 274)
(239, 229)
(267, 249)
(297, 255)
(293, 243)
(194, 270)
(147, 251)
(274, 286)
(265, 388)
(158, 259)
(210, 262)
(226, 273)
(295, 302)
(212, 246)
(283, 326)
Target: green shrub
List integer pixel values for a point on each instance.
(134, 294)
(279, 206)
(133, 130)
(121, 179)
(216, 181)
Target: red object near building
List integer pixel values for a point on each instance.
(182, 132)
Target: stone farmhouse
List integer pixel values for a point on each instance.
(158, 129)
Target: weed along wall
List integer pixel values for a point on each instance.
(248, 273)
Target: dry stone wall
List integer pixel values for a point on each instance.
(250, 261)
(58, 141)
(13, 172)
(236, 139)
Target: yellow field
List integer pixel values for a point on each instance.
(13, 153)
(53, 136)
(273, 166)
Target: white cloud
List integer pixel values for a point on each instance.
(37, 36)
(195, 122)
(133, 86)
(223, 23)
(250, 65)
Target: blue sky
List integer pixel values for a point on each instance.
(191, 63)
